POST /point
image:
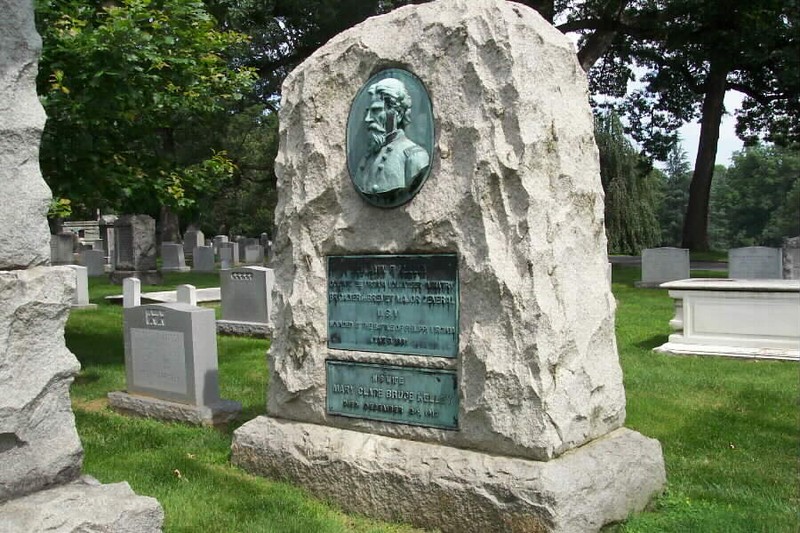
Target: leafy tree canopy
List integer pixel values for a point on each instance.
(631, 188)
(129, 88)
(758, 201)
(693, 52)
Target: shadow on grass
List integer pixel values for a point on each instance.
(652, 342)
(103, 348)
(86, 378)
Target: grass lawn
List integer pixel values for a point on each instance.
(729, 429)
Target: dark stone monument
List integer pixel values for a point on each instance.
(135, 249)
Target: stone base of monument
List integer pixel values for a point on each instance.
(455, 490)
(647, 284)
(244, 329)
(208, 415)
(677, 348)
(147, 277)
(83, 505)
(176, 269)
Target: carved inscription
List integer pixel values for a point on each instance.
(241, 276)
(154, 317)
(159, 359)
(405, 395)
(397, 304)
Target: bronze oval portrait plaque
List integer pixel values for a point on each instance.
(390, 138)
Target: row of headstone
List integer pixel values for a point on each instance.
(171, 360)
(133, 249)
(660, 265)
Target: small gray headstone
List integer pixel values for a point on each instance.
(94, 261)
(172, 258)
(191, 240)
(61, 249)
(755, 262)
(218, 239)
(229, 252)
(131, 292)
(171, 365)
(664, 264)
(254, 254)
(791, 258)
(203, 259)
(247, 294)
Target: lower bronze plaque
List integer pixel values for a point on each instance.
(401, 394)
(404, 304)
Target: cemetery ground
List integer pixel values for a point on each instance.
(729, 429)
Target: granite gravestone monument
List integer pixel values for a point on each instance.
(94, 261)
(228, 254)
(217, 240)
(171, 365)
(663, 264)
(442, 351)
(41, 487)
(191, 240)
(254, 254)
(135, 249)
(172, 258)
(246, 295)
(755, 262)
(203, 259)
(61, 249)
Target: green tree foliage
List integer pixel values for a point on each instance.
(674, 196)
(631, 189)
(246, 206)
(132, 89)
(694, 52)
(285, 32)
(758, 201)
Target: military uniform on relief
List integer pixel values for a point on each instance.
(395, 166)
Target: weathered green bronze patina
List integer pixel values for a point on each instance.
(390, 138)
(405, 304)
(405, 395)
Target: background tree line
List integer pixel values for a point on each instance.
(171, 103)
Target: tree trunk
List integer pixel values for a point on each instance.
(695, 224)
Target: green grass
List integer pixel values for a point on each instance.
(729, 429)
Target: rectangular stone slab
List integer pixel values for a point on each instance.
(455, 490)
(405, 395)
(405, 304)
